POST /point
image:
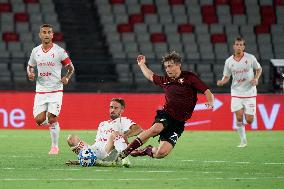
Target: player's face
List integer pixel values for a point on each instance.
(115, 110)
(239, 47)
(173, 70)
(46, 35)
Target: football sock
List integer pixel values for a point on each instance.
(54, 130)
(132, 146)
(242, 132)
(119, 143)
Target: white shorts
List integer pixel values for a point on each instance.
(248, 104)
(99, 151)
(50, 102)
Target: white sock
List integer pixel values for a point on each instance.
(119, 143)
(242, 132)
(54, 130)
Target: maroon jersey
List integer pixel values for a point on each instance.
(180, 93)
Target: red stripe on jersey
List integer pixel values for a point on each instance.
(66, 61)
(50, 92)
(243, 96)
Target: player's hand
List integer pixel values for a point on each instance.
(141, 60)
(254, 82)
(64, 80)
(220, 83)
(31, 76)
(209, 105)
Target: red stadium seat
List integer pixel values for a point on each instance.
(21, 17)
(176, 2)
(57, 37)
(10, 36)
(148, 9)
(266, 10)
(279, 2)
(211, 19)
(218, 38)
(261, 29)
(185, 28)
(267, 14)
(221, 2)
(237, 9)
(116, 1)
(233, 2)
(208, 10)
(209, 14)
(124, 28)
(158, 38)
(5, 7)
(136, 18)
(30, 1)
(268, 20)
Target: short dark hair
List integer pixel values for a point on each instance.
(172, 56)
(239, 38)
(120, 101)
(46, 26)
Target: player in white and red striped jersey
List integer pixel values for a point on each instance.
(49, 59)
(241, 66)
(111, 134)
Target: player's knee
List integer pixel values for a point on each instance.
(161, 154)
(52, 119)
(39, 120)
(249, 121)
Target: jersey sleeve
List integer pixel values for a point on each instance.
(255, 63)
(32, 61)
(126, 123)
(227, 72)
(65, 60)
(159, 80)
(198, 84)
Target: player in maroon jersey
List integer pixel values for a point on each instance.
(180, 89)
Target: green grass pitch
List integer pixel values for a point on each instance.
(199, 160)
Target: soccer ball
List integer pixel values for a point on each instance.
(87, 157)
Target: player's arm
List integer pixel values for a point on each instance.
(258, 72)
(70, 71)
(210, 99)
(141, 60)
(133, 131)
(224, 80)
(30, 72)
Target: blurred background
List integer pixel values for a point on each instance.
(104, 37)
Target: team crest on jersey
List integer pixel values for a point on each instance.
(52, 55)
(246, 61)
(181, 80)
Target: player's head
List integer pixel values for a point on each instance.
(172, 64)
(116, 107)
(239, 45)
(46, 33)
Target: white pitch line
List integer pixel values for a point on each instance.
(141, 179)
(215, 161)
(242, 162)
(271, 163)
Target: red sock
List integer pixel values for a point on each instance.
(132, 146)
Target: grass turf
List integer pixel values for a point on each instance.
(199, 160)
